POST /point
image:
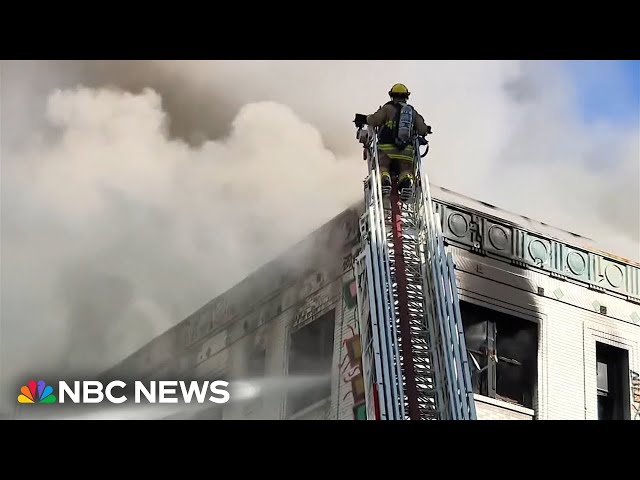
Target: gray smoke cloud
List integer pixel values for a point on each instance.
(134, 192)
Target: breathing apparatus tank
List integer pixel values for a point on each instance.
(405, 125)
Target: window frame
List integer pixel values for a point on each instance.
(619, 385)
(332, 311)
(492, 340)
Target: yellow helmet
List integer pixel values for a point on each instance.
(399, 89)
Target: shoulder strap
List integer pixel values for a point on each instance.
(397, 119)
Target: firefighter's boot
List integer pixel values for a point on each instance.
(385, 181)
(405, 186)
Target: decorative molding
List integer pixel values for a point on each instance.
(502, 240)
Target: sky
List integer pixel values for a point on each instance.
(133, 192)
(607, 90)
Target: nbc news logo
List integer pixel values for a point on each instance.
(44, 393)
(91, 391)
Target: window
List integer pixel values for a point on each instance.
(256, 362)
(612, 373)
(310, 363)
(256, 369)
(502, 353)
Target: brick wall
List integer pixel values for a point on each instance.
(348, 381)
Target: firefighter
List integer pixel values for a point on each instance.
(398, 124)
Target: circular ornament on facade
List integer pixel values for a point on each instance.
(576, 262)
(614, 275)
(538, 251)
(498, 237)
(458, 225)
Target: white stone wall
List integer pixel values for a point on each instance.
(570, 323)
(568, 330)
(491, 409)
(570, 317)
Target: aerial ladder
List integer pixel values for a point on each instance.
(414, 357)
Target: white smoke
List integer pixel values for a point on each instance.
(507, 133)
(128, 200)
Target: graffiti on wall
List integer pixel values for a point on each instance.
(347, 261)
(314, 297)
(349, 294)
(351, 363)
(635, 389)
(351, 370)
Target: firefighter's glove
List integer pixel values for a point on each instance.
(429, 132)
(360, 120)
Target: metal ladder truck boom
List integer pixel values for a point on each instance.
(414, 357)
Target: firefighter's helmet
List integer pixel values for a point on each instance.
(399, 90)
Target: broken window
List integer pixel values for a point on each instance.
(502, 352)
(612, 373)
(310, 363)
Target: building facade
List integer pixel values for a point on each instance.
(552, 326)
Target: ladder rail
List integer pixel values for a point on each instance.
(388, 374)
(365, 342)
(366, 338)
(440, 314)
(379, 357)
(390, 343)
(378, 285)
(433, 333)
(418, 286)
(451, 341)
(396, 382)
(427, 224)
(467, 385)
(403, 292)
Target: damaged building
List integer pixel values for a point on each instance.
(552, 326)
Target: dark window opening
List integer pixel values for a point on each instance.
(256, 363)
(256, 369)
(502, 352)
(612, 372)
(311, 361)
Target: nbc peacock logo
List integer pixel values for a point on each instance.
(44, 393)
